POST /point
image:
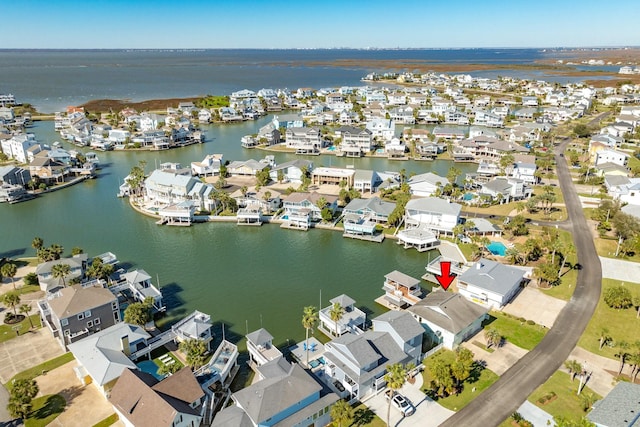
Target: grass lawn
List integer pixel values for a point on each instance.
(480, 379)
(45, 409)
(364, 416)
(502, 210)
(111, 419)
(516, 331)
(7, 332)
(26, 289)
(43, 367)
(30, 261)
(622, 324)
(567, 403)
(566, 287)
(467, 249)
(607, 248)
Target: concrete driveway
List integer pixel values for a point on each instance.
(533, 304)
(501, 359)
(26, 351)
(625, 271)
(428, 413)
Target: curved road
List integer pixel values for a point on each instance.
(504, 397)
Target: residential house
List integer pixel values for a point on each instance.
(165, 187)
(304, 140)
(401, 290)
(333, 176)
(261, 349)
(432, 214)
(246, 167)
(13, 175)
(619, 408)
(300, 209)
(366, 181)
(505, 189)
(612, 156)
(524, 168)
(263, 200)
(426, 184)
(490, 283)
(138, 283)
(373, 209)
(355, 141)
(210, 165)
(382, 129)
(448, 318)
(141, 400)
(448, 133)
(485, 118)
(77, 311)
(405, 331)
(352, 319)
(402, 115)
(291, 171)
(103, 356)
(17, 147)
(48, 169)
(150, 121)
(287, 121)
(286, 395)
(77, 267)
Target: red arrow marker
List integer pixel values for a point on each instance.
(445, 277)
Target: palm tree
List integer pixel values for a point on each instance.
(26, 309)
(309, 320)
(604, 337)
(342, 413)
(37, 243)
(335, 313)
(492, 336)
(395, 377)
(569, 249)
(61, 271)
(266, 197)
(11, 299)
(574, 367)
(623, 346)
(9, 270)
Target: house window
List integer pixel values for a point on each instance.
(87, 313)
(67, 332)
(114, 305)
(80, 316)
(64, 322)
(116, 316)
(96, 321)
(90, 324)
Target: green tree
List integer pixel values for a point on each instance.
(574, 367)
(342, 413)
(21, 394)
(26, 309)
(618, 297)
(263, 176)
(453, 174)
(194, 351)
(61, 271)
(622, 353)
(99, 270)
(76, 250)
(587, 400)
(139, 313)
(9, 269)
(581, 130)
(506, 162)
(463, 365)
(11, 299)
(561, 421)
(136, 177)
(309, 321)
(37, 243)
(30, 279)
(395, 377)
(605, 337)
(335, 313)
(442, 376)
(492, 336)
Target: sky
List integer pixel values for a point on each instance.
(284, 24)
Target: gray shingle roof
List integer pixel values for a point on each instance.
(76, 299)
(402, 322)
(492, 276)
(448, 310)
(374, 204)
(260, 336)
(434, 204)
(620, 408)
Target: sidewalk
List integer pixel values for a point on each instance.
(600, 381)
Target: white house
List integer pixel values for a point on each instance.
(19, 146)
(291, 171)
(210, 165)
(448, 318)
(425, 184)
(432, 214)
(611, 156)
(490, 283)
(382, 129)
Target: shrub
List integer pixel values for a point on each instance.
(530, 322)
(522, 319)
(618, 297)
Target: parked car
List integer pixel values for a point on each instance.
(401, 403)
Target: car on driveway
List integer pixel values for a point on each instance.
(401, 403)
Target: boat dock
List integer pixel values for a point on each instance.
(378, 238)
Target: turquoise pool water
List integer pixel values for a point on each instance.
(149, 367)
(497, 248)
(467, 196)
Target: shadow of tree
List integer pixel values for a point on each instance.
(71, 393)
(54, 405)
(362, 417)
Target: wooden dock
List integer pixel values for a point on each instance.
(378, 238)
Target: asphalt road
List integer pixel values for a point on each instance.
(504, 397)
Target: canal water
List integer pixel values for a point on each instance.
(244, 277)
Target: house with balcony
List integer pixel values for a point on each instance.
(505, 189)
(352, 319)
(301, 209)
(333, 176)
(490, 283)
(77, 311)
(77, 267)
(355, 141)
(286, 395)
(382, 129)
(137, 284)
(209, 166)
(305, 140)
(141, 400)
(168, 187)
(261, 349)
(104, 355)
(432, 214)
(17, 147)
(48, 169)
(405, 331)
(366, 181)
(246, 167)
(448, 318)
(374, 209)
(401, 290)
(425, 184)
(291, 171)
(196, 325)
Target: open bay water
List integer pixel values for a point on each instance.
(54, 79)
(244, 277)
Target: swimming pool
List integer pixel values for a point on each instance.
(149, 367)
(497, 248)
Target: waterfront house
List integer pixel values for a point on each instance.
(432, 214)
(355, 139)
(490, 283)
(141, 400)
(150, 121)
(425, 184)
(48, 170)
(210, 165)
(17, 147)
(119, 136)
(77, 311)
(261, 349)
(524, 168)
(287, 121)
(246, 167)
(448, 133)
(405, 331)
(352, 320)
(138, 284)
(13, 175)
(505, 189)
(373, 209)
(300, 209)
(292, 171)
(619, 408)
(167, 187)
(355, 365)
(333, 176)
(304, 140)
(77, 267)
(366, 181)
(103, 356)
(286, 395)
(264, 200)
(448, 318)
(401, 290)
(382, 129)
(269, 134)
